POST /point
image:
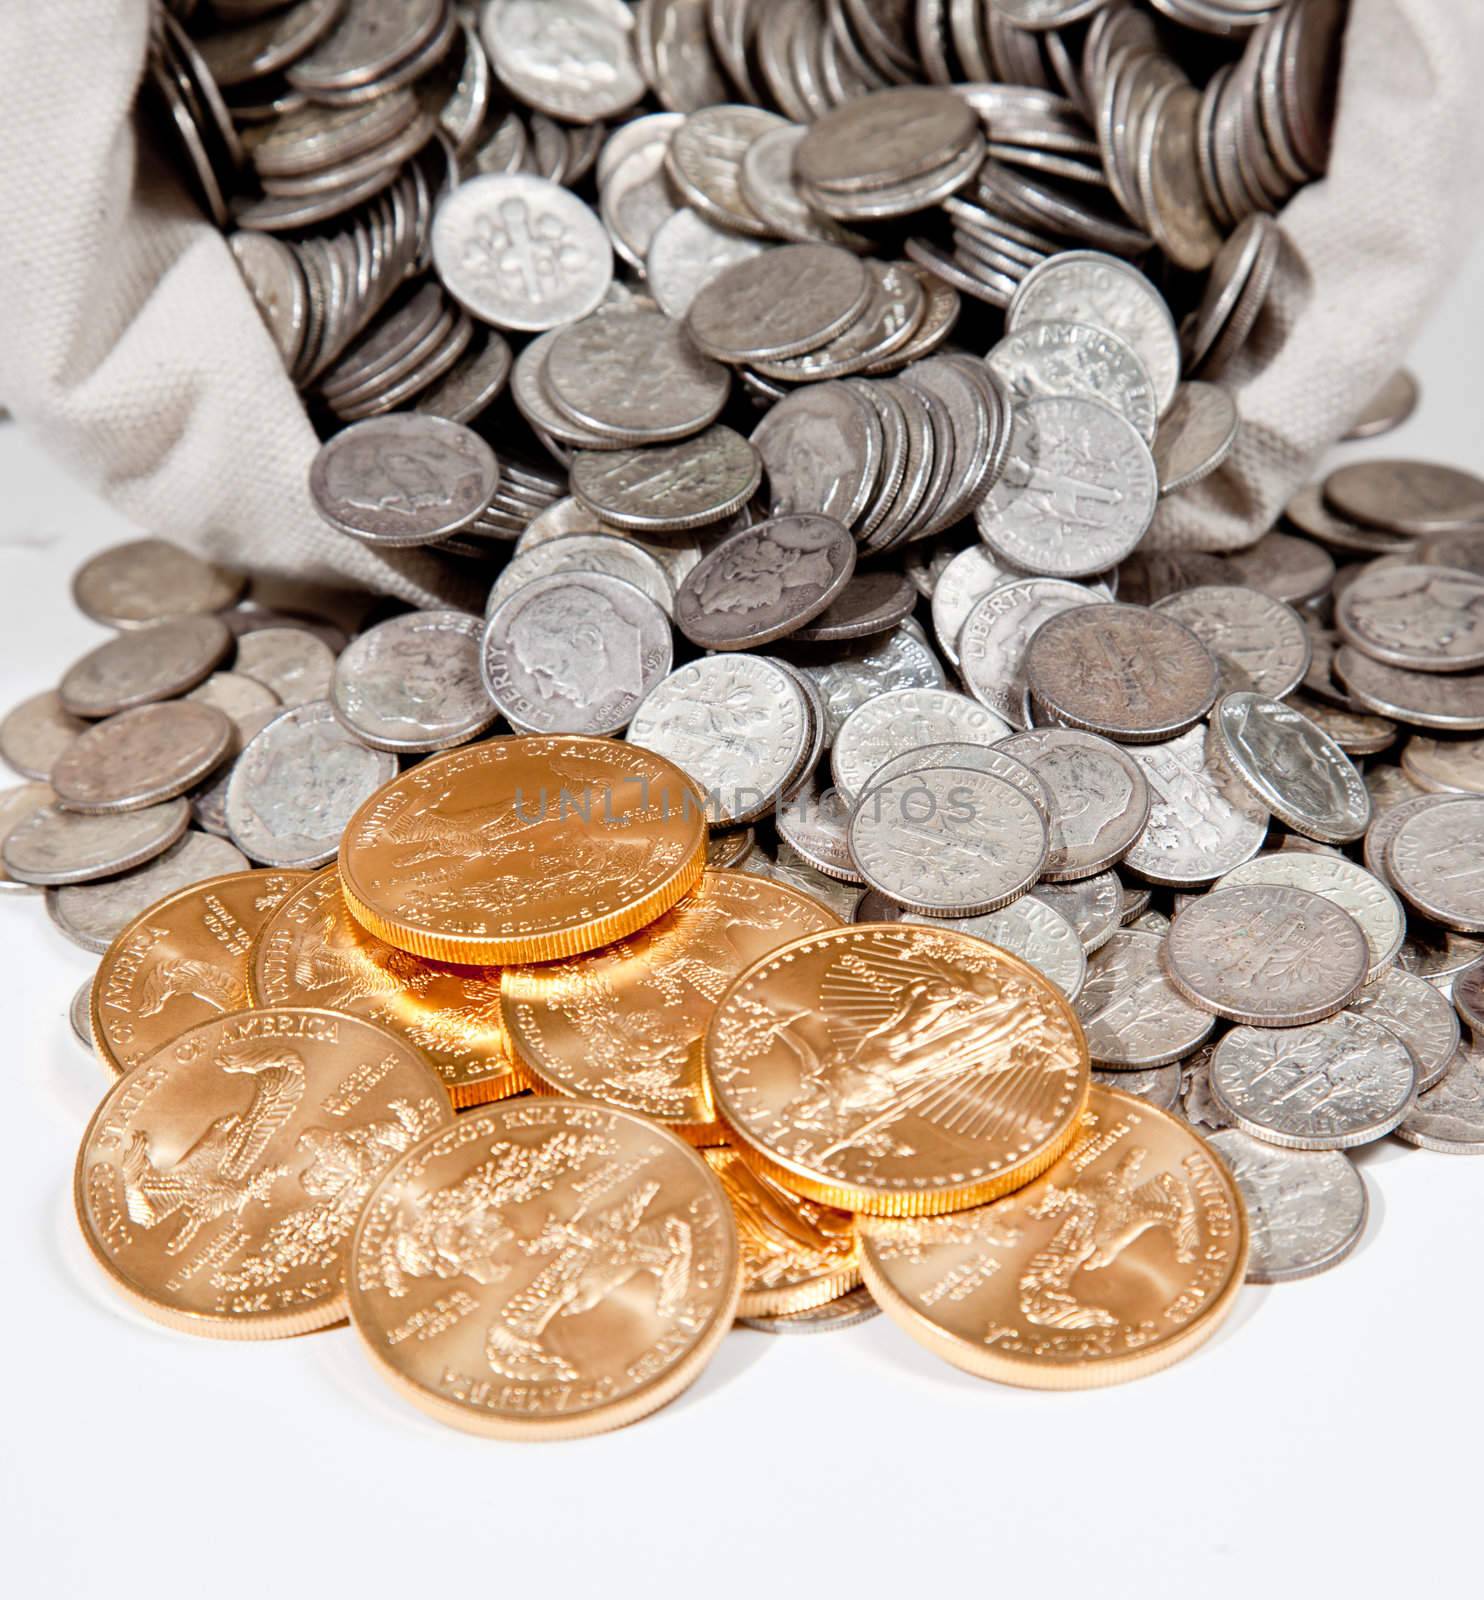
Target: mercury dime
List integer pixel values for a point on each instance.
(1428, 618)
(994, 636)
(1468, 997)
(1267, 954)
(1099, 798)
(1450, 701)
(572, 59)
(154, 662)
(1027, 928)
(845, 1311)
(412, 683)
(1295, 769)
(700, 480)
(1436, 861)
(781, 303)
(1195, 436)
(1160, 1086)
(1133, 1016)
(815, 820)
(1450, 1117)
(906, 719)
(1079, 360)
(574, 653)
(686, 253)
(955, 582)
(821, 447)
(1306, 1209)
(1418, 1015)
(520, 251)
(1132, 674)
(141, 757)
(36, 732)
(1257, 642)
(1092, 905)
(1329, 1086)
(849, 675)
(296, 786)
(147, 580)
(1406, 497)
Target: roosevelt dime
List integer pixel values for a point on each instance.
(991, 645)
(1450, 1117)
(1133, 1016)
(906, 719)
(1420, 1016)
(1436, 862)
(1028, 928)
(1258, 642)
(1078, 360)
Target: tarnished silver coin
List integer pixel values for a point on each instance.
(1391, 405)
(686, 253)
(1436, 863)
(52, 846)
(1257, 642)
(995, 635)
(1428, 618)
(1030, 929)
(521, 252)
(1418, 1015)
(764, 582)
(1269, 955)
(786, 865)
(153, 662)
(1077, 493)
(871, 603)
(1195, 435)
(1081, 361)
(1160, 1086)
(294, 663)
(36, 732)
(1468, 997)
(1328, 1086)
(906, 719)
(834, 1316)
(412, 683)
(1373, 905)
(700, 480)
(147, 580)
(1284, 566)
(781, 303)
(848, 675)
(79, 1012)
(574, 653)
(1445, 766)
(1196, 1103)
(618, 557)
(92, 914)
(1131, 674)
(1449, 1118)
(243, 699)
(978, 758)
(1415, 498)
(822, 450)
(1093, 906)
(572, 59)
(141, 757)
(815, 820)
(704, 163)
(738, 725)
(1099, 798)
(1306, 1209)
(298, 783)
(1292, 767)
(17, 804)
(1452, 702)
(1132, 1014)
(947, 841)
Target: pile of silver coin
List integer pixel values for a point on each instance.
(808, 430)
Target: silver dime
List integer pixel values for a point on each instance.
(788, 866)
(1415, 498)
(52, 846)
(149, 663)
(1093, 906)
(704, 163)
(521, 252)
(79, 1014)
(906, 719)
(147, 580)
(834, 1316)
(884, 138)
(295, 664)
(765, 581)
(1267, 954)
(1079, 360)
(1429, 618)
(822, 450)
(1078, 491)
(1329, 1086)
(368, 42)
(1123, 671)
(1418, 1015)
(790, 299)
(1160, 1086)
(1450, 1117)
(947, 841)
(619, 557)
(815, 820)
(17, 804)
(1373, 905)
(700, 480)
(686, 253)
(1030, 929)
(1196, 1103)
(849, 675)
(141, 757)
(891, 315)
(1445, 766)
(1099, 798)
(1292, 766)
(1450, 701)
(243, 699)
(767, 183)
(1436, 862)
(1391, 405)
(1195, 435)
(1284, 566)
(574, 653)
(36, 732)
(871, 603)
(1132, 1014)
(1468, 997)
(956, 580)
(412, 683)
(298, 783)
(1306, 1209)
(738, 725)
(572, 59)
(996, 633)
(1257, 642)
(978, 758)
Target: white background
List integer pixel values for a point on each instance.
(1327, 1435)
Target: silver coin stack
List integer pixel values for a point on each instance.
(837, 496)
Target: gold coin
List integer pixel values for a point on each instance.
(796, 1254)
(897, 1070)
(219, 1180)
(312, 952)
(544, 1269)
(624, 1024)
(523, 849)
(1117, 1262)
(181, 961)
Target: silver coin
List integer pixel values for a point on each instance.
(618, 557)
(1328, 1086)
(402, 480)
(1134, 675)
(147, 580)
(834, 1316)
(1415, 498)
(700, 480)
(572, 59)
(412, 683)
(996, 634)
(79, 1014)
(1306, 1209)
(1030, 929)
(1445, 766)
(815, 820)
(871, 603)
(141, 757)
(1429, 618)
(36, 732)
(1436, 862)
(901, 720)
(296, 665)
(1136, 901)
(1093, 906)
(738, 725)
(704, 163)
(793, 298)
(521, 252)
(947, 841)
(978, 758)
(1197, 1106)
(298, 783)
(1078, 491)
(1267, 954)
(1100, 800)
(848, 675)
(1286, 567)
(1374, 907)
(243, 699)
(209, 798)
(472, 383)
(1450, 701)
(17, 804)
(1450, 1117)
(1078, 360)
(154, 662)
(767, 184)
(52, 846)
(1132, 1014)
(1195, 435)
(1257, 642)
(1356, 733)
(822, 450)
(1411, 1008)
(367, 44)
(885, 138)
(1391, 405)
(1292, 767)
(92, 914)
(892, 313)
(1160, 1086)
(788, 866)
(1468, 997)
(575, 652)
(686, 253)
